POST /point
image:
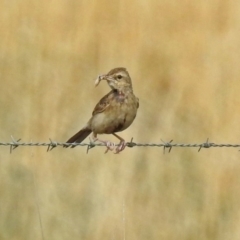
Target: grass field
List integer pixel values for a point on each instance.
(183, 57)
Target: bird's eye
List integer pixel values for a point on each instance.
(119, 76)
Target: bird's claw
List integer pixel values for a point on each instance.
(120, 147)
(110, 146)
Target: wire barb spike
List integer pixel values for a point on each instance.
(51, 145)
(167, 145)
(205, 145)
(14, 144)
(131, 143)
(90, 145)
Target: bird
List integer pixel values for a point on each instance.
(114, 113)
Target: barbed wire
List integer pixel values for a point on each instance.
(166, 145)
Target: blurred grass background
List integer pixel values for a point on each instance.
(183, 57)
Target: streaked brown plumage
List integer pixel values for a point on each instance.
(115, 111)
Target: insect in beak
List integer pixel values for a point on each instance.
(99, 79)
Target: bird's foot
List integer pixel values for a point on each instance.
(110, 145)
(120, 147)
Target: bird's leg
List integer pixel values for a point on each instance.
(110, 145)
(122, 144)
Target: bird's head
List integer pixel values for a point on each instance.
(117, 78)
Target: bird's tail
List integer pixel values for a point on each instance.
(79, 136)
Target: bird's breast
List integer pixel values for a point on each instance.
(118, 116)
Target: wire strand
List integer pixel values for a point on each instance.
(166, 145)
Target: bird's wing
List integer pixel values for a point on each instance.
(104, 103)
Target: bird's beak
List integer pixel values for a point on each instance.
(103, 77)
(110, 79)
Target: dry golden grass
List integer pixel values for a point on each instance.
(183, 57)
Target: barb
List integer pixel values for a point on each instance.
(53, 144)
(167, 145)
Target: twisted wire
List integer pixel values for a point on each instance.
(166, 145)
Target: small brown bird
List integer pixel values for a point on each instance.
(115, 111)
